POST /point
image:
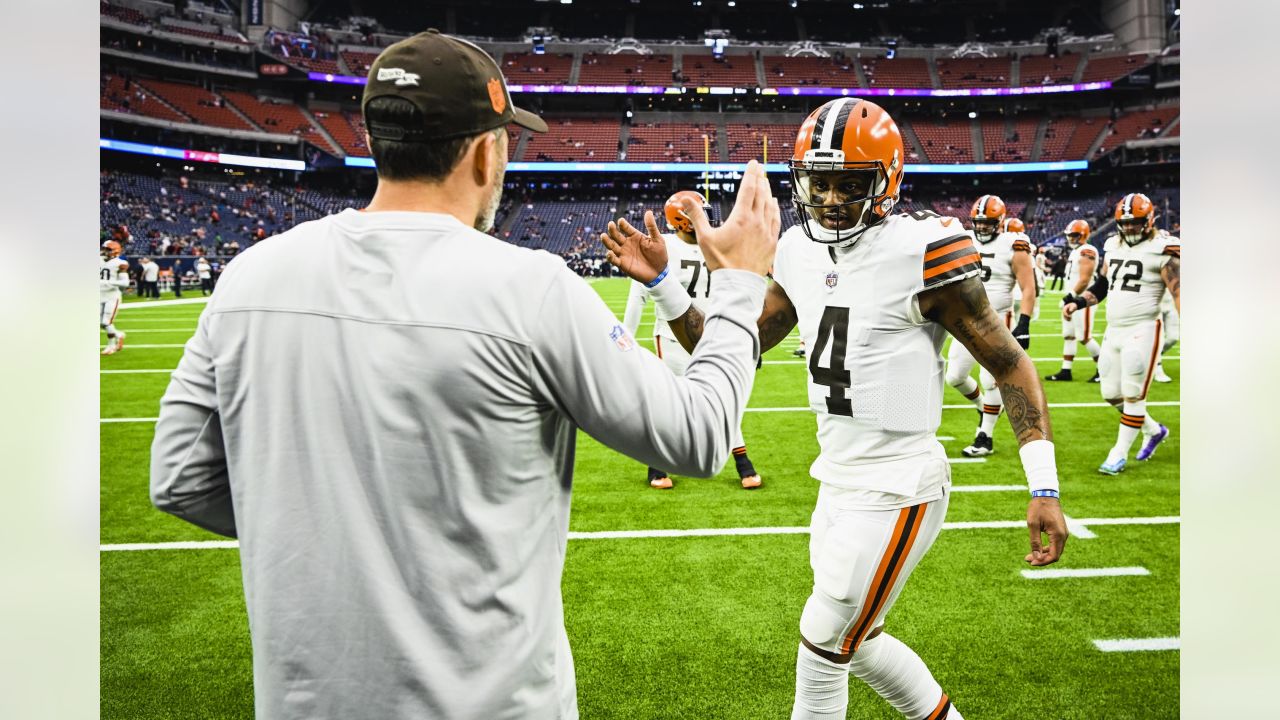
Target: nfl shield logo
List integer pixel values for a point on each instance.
(621, 338)
(832, 278)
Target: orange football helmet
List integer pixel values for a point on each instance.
(111, 249)
(987, 216)
(1077, 232)
(1013, 225)
(846, 170)
(1135, 217)
(675, 213)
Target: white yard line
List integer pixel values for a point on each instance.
(134, 372)
(1038, 359)
(159, 330)
(145, 304)
(1055, 573)
(1138, 644)
(965, 460)
(135, 346)
(1077, 530)
(697, 532)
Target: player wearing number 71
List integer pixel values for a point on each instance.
(874, 294)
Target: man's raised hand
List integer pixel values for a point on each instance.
(749, 236)
(638, 255)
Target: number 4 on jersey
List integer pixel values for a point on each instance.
(833, 328)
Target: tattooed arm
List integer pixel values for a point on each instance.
(962, 309)
(776, 321)
(1172, 275)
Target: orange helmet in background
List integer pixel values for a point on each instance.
(987, 217)
(855, 142)
(1136, 212)
(675, 213)
(111, 249)
(1079, 228)
(1013, 225)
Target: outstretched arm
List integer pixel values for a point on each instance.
(775, 322)
(962, 308)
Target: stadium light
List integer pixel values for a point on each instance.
(732, 3)
(794, 3)
(1177, 11)
(972, 115)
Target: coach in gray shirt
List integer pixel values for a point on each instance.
(390, 433)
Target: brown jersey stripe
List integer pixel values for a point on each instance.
(934, 271)
(972, 268)
(991, 409)
(963, 249)
(1022, 245)
(904, 535)
(936, 255)
(945, 241)
(1174, 250)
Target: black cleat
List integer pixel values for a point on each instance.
(981, 446)
(1063, 375)
(1096, 378)
(798, 352)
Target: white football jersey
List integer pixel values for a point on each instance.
(1133, 271)
(685, 260)
(111, 271)
(875, 364)
(1073, 261)
(997, 267)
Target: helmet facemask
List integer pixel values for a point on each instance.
(837, 201)
(985, 229)
(1134, 230)
(1075, 239)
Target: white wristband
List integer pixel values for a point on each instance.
(670, 300)
(1040, 466)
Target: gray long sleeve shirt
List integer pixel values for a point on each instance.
(383, 407)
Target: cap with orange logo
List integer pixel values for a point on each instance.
(456, 87)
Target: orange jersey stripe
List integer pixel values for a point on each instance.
(946, 249)
(1151, 366)
(885, 560)
(894, 572)
(958, 262)
(941, 709)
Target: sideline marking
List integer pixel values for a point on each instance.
(135, 346)
(1139, 644)
(1055, 573)
(143, 304)
(697, 532)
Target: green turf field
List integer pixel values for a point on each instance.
(706, 627)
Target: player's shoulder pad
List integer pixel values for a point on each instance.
(1089, 251)
(1021, 243)
(1111, 243)
(1171, 244)
(950, 257)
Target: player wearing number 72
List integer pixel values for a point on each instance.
(874, 294)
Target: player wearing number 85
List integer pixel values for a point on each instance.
(690, 269)
(1140, 263)
(874, 294)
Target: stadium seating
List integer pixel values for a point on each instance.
(358, 62)
(945, 141)
(135, 99)
(1057, 135)
(974, 72)
(1086, 132)
(897, 73)
(1001, 146)
(210, 33)
(782, 71)
(562, 227)
(625, 69)
(341, 129)
(580, 139)
(729, 71)
(1045, 70)
(745, 142)
(201, 105)
(1137, 125)
(531, 69)
(276, 117)
(1112, 67)
(126, 14)
(671, 142)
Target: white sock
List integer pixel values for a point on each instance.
(1094, 349)
(991, 402)
(1150, 426)
(899, 676)
(969, 389)
(822, 687)
(1132, 417)
(1068, 352)
(111, 331)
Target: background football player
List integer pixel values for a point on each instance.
(113, 278)
(1006, 262)
(873, 294)
(1082, 263)
(691, 271)
(1172, 331)
(1139, 265)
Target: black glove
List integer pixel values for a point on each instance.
(1069, 298)
(1022, 333)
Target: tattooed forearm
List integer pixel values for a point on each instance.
(1172, 274)
(688, 329)
(1027, 420)
(775, 327)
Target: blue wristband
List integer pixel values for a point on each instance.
(654, 282)
(1044, 493)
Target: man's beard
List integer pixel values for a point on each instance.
(484, 221)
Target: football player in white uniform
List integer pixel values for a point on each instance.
(874, 295)
(1082, 263)
(1006, 261)
(1014, 225)
(1139, 265)
(1172, 331)
(691, 271)
(113, 277)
